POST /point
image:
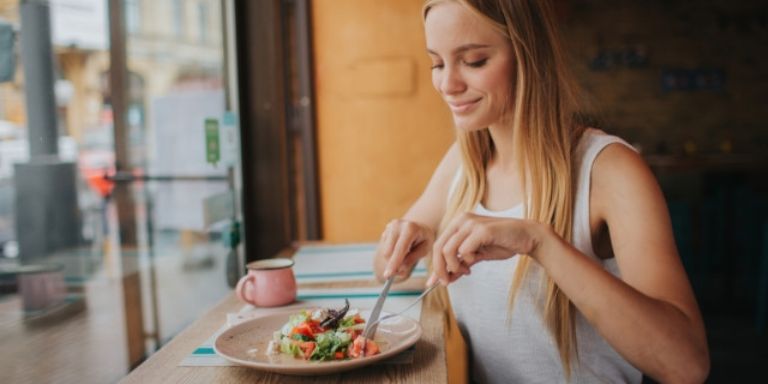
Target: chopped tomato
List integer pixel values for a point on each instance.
(305, 329)
(316, 327)
(354, 333)
(371, 348)
(339, 355)
(356, 349)
(307, 347)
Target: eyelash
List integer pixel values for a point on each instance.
(477, 64)
(474, 64)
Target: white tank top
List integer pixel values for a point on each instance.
(522, 350)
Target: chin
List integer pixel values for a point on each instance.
(465, 124)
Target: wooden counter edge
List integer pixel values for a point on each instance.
(450, 362)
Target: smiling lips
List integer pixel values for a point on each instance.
(462, 106)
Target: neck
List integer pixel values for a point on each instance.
(503, 137)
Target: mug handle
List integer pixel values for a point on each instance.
(241, 285)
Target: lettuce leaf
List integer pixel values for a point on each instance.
(328, 343)
(293, 321)
(347, 322)
(286, 346)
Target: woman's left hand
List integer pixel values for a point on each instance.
(471, 238)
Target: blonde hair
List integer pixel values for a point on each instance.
(545, 103)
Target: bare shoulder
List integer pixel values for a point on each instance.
(621, 177)
(618, 160)
(449, 165)
(453, 156)
(430, 206)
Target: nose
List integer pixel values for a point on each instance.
(450, 81)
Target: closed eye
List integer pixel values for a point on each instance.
(477, 64)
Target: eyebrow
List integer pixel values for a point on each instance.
(463, 48)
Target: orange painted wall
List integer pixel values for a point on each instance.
(381, 126)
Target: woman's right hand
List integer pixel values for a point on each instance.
(401, 246)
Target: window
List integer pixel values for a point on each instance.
(133, 16)
(178, 18)
(202, 22)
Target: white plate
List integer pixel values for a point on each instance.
(246, 344)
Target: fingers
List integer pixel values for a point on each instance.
(438, 261)
(471, 245)
(438, 267)
(447, 263)
(405, 238)
(468, 258)
(384, 250)
(403, 244)
(450, 250)
(421, 249)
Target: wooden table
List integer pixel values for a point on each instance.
(441, 342)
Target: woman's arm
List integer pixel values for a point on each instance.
(408, 239)
(650, 316)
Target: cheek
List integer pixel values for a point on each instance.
(436, 80)
(499, 87)
(499, 82)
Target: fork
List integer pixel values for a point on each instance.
(391, 315)
(418, 299)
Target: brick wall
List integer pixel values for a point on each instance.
(621, 49)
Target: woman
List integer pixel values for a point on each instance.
(553, 238)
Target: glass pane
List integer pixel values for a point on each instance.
(71, 285)
(177, 84)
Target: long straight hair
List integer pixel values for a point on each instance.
(543, 119)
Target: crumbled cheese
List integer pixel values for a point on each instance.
(320, 314)
(286, 329)
(273, 348)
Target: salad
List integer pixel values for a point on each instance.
(323, 335)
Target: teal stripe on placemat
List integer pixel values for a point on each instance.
(341, 274)
(340, 248)
(355, 295)
(204, 351)
(332, 274)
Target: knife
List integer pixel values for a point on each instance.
(371, 324)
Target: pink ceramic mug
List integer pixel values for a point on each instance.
(268, 283)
